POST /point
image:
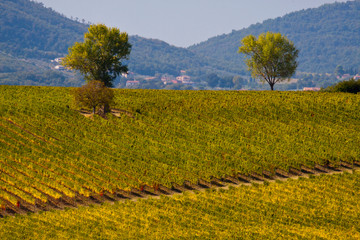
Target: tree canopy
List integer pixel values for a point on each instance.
(349, 86)
(93, 94)
(272, 57)
(99, 56)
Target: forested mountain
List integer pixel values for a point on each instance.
(326, 37)
(31, 35)
(30, 30)
(151, 56)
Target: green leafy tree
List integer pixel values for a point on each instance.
(349, 86)
(339, 71)
(272, 57)
(99, 56)
(94, 94)
(213, 80)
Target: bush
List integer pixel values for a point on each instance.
(94, 94)
(349, 86)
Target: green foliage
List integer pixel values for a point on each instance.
(348, 86)
(326, 36)
(30, 30)
(339, 70)
(151, 56)
(272, 57)
(323, 207)
(94, 94)
(99, 56)
(32, 35)
(228, 82)
(213, 80)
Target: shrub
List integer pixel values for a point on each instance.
(349, 86)
(94, 94)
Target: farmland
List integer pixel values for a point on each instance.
(319, 207)
(51, 151)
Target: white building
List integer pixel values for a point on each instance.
(311, 89)
(132, 83)
(185, 79)
(59, 67)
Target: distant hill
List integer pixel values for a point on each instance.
(28, 29)
(326, 36)
(32, 35)
(151, 56)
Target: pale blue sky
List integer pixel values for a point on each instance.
(179, 22)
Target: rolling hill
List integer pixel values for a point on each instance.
(165, 137)
(55, 156)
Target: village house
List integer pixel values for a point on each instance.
(311, 89)
(174, 82)
(59, 67)
(345, 76)
(132, 83)
(167, 79)
(149, 78)
(57, 60)
(184, 79)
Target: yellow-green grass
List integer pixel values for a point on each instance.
(47, 148)
(319, 207)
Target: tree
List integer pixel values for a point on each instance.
(272, 57)
(94, 94)
(238, 82)
(99, 56)
(349, 86)
(226, 82)
(339, 71)
(212, 80)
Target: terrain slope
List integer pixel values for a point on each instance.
(50, 151)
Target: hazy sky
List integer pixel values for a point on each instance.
(179, 22)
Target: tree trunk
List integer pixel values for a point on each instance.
(106, 108)
(103, 110)
(272, 87)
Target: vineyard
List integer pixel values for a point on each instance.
(319, 207)
(52, 156)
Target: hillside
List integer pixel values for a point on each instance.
(326, 37)
(30, 30)
(164, 137)
(321, 207)
(151, 56)
(32, 35)
(53, 157)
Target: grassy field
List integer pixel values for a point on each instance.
(319, 207)
(49, 150)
